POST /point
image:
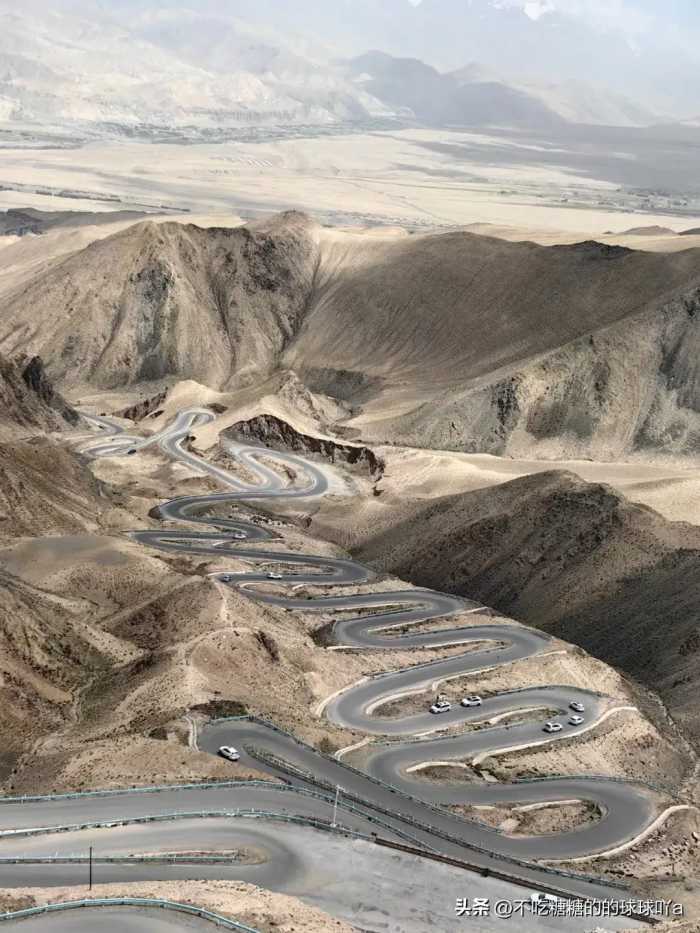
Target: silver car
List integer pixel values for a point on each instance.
(228, 751)
(543, 904)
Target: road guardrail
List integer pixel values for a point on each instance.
(398, 815)
(146, 902)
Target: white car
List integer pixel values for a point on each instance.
(226, 578)
(575, 720)
(228, 751)
(552, 727)
(239, 536)
(273, 575)
(441, 707)
(473, 700)
(577, 707)
(541, 903)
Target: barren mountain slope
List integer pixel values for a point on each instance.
(43, 657)
(46, 652)
(470, 343)
(160, 300)
(632, 386)
(453, 341)
(45, 488)
(574, 558)
(28, 401)
(437, 310)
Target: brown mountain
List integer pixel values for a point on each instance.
(454, 341)
(159, 301)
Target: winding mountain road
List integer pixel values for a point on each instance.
(388, 789)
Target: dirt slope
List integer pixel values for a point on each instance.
(469, 343)
(43, 658)
(434, 308)
(46, 489)
(573, 558)
(630, 387)
(158, 300)
(28, 401)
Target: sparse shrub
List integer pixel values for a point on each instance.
(327, 747)
(220, 709)
(269, 644)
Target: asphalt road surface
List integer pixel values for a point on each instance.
(349, 878)
(112, 920)
(387, 790)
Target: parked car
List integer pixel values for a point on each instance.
(228, 751)
(472, 700)
(575, 720)
(553, 727)
(577, 707)
(441, 706)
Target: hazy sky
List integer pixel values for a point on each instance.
(645, 50)
(672, 18)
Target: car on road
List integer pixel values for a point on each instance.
(553, 727)
(226, 578)
(441, 706)
(472, 700)
(131, 451)
(541, 903)
(228, 751)
(577, 707)
(239, 536)
(575, 720)
(273, 575)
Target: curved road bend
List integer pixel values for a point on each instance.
(348, 878)
(627, 808)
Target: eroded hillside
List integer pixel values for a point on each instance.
(161, 300)
(28, 401)
(453, 341)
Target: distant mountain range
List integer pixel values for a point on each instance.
(170, 70)
(477, 95)
(81, 62)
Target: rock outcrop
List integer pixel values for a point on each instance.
(28, 400)
(270, 431)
